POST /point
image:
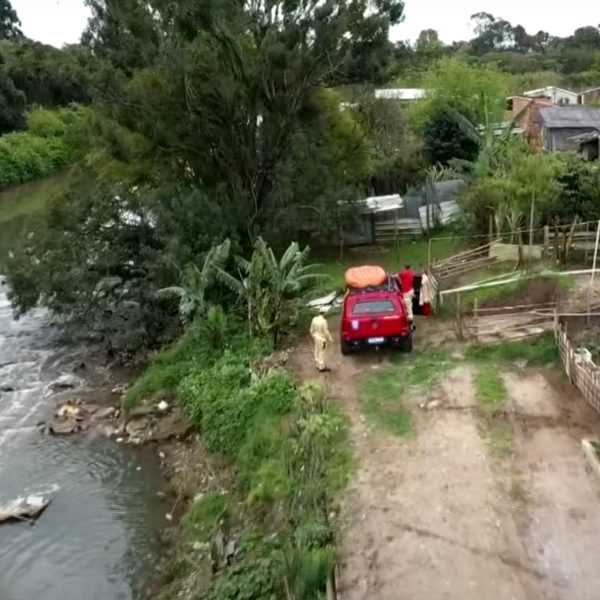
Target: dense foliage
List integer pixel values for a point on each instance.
(9, 21)
(44, 148)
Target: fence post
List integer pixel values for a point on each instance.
(591, 291)
(546, 239)
(429, 254)
(459, 327)
(585, 254)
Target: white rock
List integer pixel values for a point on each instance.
(162, 406)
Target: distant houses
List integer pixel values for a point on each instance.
(554, 118)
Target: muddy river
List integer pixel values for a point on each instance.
(99, 538)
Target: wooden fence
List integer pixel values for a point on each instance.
(464, 262)
(501, 323)
(583, 374)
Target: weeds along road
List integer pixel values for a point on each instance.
(471, 482)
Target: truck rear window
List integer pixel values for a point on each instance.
(371, 307)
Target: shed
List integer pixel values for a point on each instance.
(589, 145)
(591, 96)
(561, 124)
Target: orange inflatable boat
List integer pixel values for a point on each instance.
(367, 276)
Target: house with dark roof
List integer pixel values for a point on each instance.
(561, 126)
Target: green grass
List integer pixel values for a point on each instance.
(383, 392)
(540, 351)
(390, 258)
(489, 387)
(203, 518)
(167, 369)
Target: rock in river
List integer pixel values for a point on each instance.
(66, 381)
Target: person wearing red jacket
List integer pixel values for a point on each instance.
(407, 281)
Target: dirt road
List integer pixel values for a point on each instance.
(451, 512)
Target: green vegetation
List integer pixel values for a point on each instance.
(383, 391)
(168, 368)
(413, 252)
(41, 150)
(489, 387)
(203, 518)
(537, 351)
(596, 446)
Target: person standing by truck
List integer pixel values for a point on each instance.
(319, 331)
(407, 283)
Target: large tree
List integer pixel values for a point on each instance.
(9, 21)
(226, 86)
(12, 103)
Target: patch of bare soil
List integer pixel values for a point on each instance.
(438, 516)
(561, 518)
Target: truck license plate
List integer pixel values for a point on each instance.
(376, 340)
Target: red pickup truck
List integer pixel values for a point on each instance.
(375, 316)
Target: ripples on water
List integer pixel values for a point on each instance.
(97, 538)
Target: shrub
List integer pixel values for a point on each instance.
(276, 393)
(169, 367)
(45, 123)
(42, 149)
(224, 403)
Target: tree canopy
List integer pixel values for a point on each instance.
(9, 21)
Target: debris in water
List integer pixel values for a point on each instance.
(23, 509)
(169, 517)
(162, 406)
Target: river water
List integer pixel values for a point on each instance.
(98, 539)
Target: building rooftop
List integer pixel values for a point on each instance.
(556, 117)
(547, 89)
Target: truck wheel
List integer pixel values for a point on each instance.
(345, 348)
(406, 345)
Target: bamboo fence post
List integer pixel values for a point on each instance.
(591, 290)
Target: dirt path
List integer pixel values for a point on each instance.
(438, 516)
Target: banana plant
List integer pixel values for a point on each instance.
(269, 286)
(195, 282)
